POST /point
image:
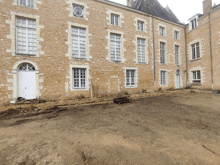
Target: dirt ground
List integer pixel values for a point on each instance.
(182, 128)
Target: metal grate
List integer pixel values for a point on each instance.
(26, 67)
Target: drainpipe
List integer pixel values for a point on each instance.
(186, 58)
(210, 37)
(155, 88)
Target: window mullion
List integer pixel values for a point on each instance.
(80, 78)
(26, 36)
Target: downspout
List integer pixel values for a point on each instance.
(186, 58)
(210, 37)
(155, 87)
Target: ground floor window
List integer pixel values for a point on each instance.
(163, 77)
(196, 76)
(79, 78)
(130, 78)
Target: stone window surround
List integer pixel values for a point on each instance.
(87, 77)
(165, 29)
(200, 41)
(136, 19)
(167, 79)
(166, 53)
(15, 2)
(12, 35)
(70, 8)
(190, 23)
(14, 81)
(121, 16)
(136, 76)
(180, 61)
(179, 37)
(69, 42)
(196, 69)
(146, 48)
(122, 46)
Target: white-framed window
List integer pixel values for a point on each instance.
(140, 25)
(115, 19)
(25, 36)
(28, 3)
(78, 42)
(177, 55)
(196, 76)
(176, 34)
(195, 51)
(78, 11)
(193, 23)
(130, 78)
(163, 77)
(79, 78)
(115, 47)
(141, 50)
(162, 53)
(162, 30)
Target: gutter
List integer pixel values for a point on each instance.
(155, 88)
(210, 38)
(186, 58)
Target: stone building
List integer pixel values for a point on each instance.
(63, 48)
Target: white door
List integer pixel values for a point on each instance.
(177, 81)
(26, 84)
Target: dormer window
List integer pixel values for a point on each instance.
(78, 11)
(193, 23)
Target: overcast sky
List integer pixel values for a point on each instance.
(184, 9)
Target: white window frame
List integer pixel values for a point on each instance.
(163, 80)
(71, 82)
(193, 22)
(177, 55)
(196, 49)
(195, 76)
(27, 3)
(79, 36)
(163, 56)
(80, 72)
(129, 78)
(115, 19)
(140, 49)
(114, 44)
(109, 17)
(135, 77)
(27, 29)
(162, 30)
(140, 25)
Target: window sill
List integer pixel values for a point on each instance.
(116, 61)
(195, 59)
(82, 59)
(33, 55)
(143, 63)
(131, 86)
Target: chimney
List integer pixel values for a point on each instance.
(207, 6)
(130, 3)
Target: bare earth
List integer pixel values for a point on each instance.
(164, 130)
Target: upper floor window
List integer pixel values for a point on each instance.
(25, 36)
(78, 11)
(28, 3)
(162, 30)
(162, 53)
(141, 50)
(140, 25)
(195, 51)
(177, 56)
(115, 19)
(193, 23)
(196, 76)
(78, 42)
(115, 44)
(176, 34)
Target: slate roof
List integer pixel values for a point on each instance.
(154, 8)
